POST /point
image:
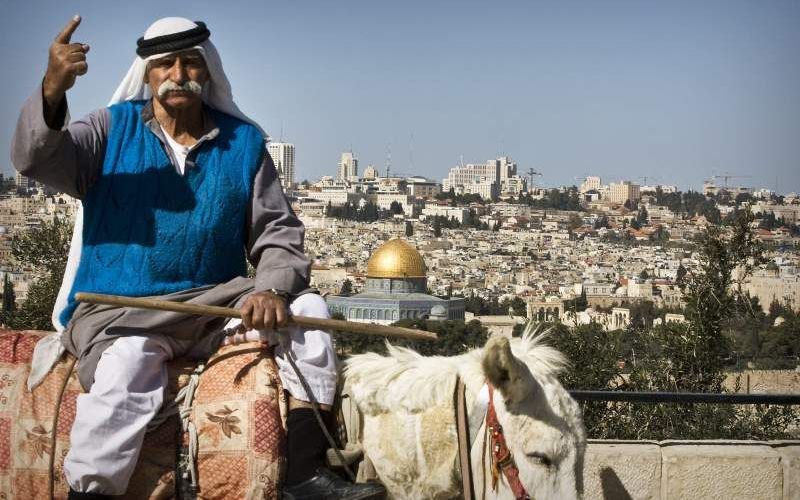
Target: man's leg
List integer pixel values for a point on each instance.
(313, 353)
(306, 477)
(111, 419)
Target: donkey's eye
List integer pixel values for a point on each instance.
(540, 458)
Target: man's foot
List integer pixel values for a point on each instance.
(326, 485)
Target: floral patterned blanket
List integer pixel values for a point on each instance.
(239, 412)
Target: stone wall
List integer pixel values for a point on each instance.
(764, 382)
(675, 470)
(622, 470)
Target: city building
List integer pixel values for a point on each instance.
(348, 167)
(396, 289)
(620, 192)
(282, 154)
(370, 172)
(591, 183)
(433, 210)
(420, 187)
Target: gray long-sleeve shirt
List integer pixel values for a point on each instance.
(70, 159)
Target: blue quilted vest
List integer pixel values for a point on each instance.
(148, 230)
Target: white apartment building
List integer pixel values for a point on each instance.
(370, 172)
(336, 194)
(282, 154)
(384, 200)
(620, 192)
(514, 185)
(510, 209)
(348, 166)
(590, 183)
(457, 213)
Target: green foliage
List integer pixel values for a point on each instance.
(37, 310)
(409, 229)
(347, 288)
(555, 199)
(577, 304)
(45, 249)
(460, 199)
(351, 211)
(470, 221)
(688, 357)
(454, 337)
(9, 301)
(689, 204)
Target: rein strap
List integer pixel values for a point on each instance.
(502, 459)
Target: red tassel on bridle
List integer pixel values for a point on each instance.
(502, 459)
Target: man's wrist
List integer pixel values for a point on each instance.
(281, 293)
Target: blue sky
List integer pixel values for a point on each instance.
(677, 91)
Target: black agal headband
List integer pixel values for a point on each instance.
(173, 42)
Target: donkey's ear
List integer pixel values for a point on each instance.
(504, 371)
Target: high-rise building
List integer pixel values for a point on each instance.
(620, 192)
(348, 166)
(591, 183)
(482, 179)
(282, 154)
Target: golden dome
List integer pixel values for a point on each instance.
(396, 259)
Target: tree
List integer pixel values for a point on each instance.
(396, 208)
(437, 227)
(642, 217)
(515, 306)
(601, 222)
(409, 229)
(9, 301)
(453, 338)
(45, 249)
(347, 288)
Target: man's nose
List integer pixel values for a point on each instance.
(178, 71)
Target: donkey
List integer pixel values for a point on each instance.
(409, 428)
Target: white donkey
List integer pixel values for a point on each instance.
(409, 430)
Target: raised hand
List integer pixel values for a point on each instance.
(65, 63)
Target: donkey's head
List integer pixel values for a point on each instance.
(541, 423)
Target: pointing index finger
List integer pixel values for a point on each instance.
(69, 29)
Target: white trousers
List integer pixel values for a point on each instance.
(128, 392)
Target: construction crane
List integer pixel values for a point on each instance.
(727, 176)
(531, 173)
(644, 179)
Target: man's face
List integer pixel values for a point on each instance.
(176, 80)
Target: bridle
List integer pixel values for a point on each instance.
(502, 460)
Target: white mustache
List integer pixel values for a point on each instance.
(188, 86)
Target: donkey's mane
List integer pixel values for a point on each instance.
(406, 379)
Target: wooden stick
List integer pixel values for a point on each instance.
(229, 312)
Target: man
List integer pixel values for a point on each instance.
(176, 191)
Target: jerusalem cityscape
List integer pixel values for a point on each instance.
(437, 250)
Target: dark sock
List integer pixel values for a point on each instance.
(306, 444)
